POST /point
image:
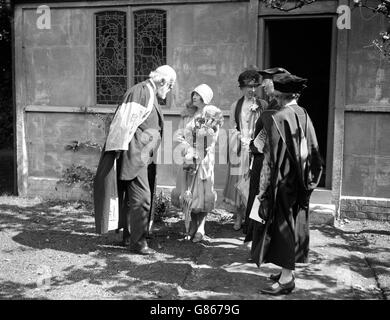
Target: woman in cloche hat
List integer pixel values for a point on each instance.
(202, 180)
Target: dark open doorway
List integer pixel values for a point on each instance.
(7, 162)
(303, 46)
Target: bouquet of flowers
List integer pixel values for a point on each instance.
(204, 125)
(208, 122)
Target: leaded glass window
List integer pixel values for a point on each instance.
(111, 59)
(150, 43)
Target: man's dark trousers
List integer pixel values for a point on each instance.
(136, 209)
(139, 191)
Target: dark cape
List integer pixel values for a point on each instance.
(284, 238)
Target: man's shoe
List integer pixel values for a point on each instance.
(126, 242)
(144, 251)
(285, 288)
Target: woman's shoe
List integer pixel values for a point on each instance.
(237, 224)
(197, 237)
(282, 288)
(275, 277)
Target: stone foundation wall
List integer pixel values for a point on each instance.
(365, 208)
(51, 189)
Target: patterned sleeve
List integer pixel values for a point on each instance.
(129, 115)
(265, 177)
(259, 141)
(265, 173)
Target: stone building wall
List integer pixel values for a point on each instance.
(365, 208)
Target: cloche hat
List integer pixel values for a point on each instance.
(205, 92)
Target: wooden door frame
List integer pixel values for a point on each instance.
(261, 60)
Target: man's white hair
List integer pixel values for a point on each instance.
(164, 72)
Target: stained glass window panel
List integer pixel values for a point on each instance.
(150, 28)
(111, 60)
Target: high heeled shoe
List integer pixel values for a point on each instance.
(275, 277)
(282, 288)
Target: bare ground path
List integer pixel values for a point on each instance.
(48, 250)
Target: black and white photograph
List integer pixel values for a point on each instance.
(213, 152)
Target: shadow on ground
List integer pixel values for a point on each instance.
(82, 264)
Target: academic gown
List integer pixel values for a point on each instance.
(284, 239)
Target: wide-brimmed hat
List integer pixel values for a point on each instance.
(270, 72)
(205, 92)
(289, 83)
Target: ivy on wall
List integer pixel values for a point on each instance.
(78, 175)
(81, 174)
(77, 145)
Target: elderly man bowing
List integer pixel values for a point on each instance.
(125, 178)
